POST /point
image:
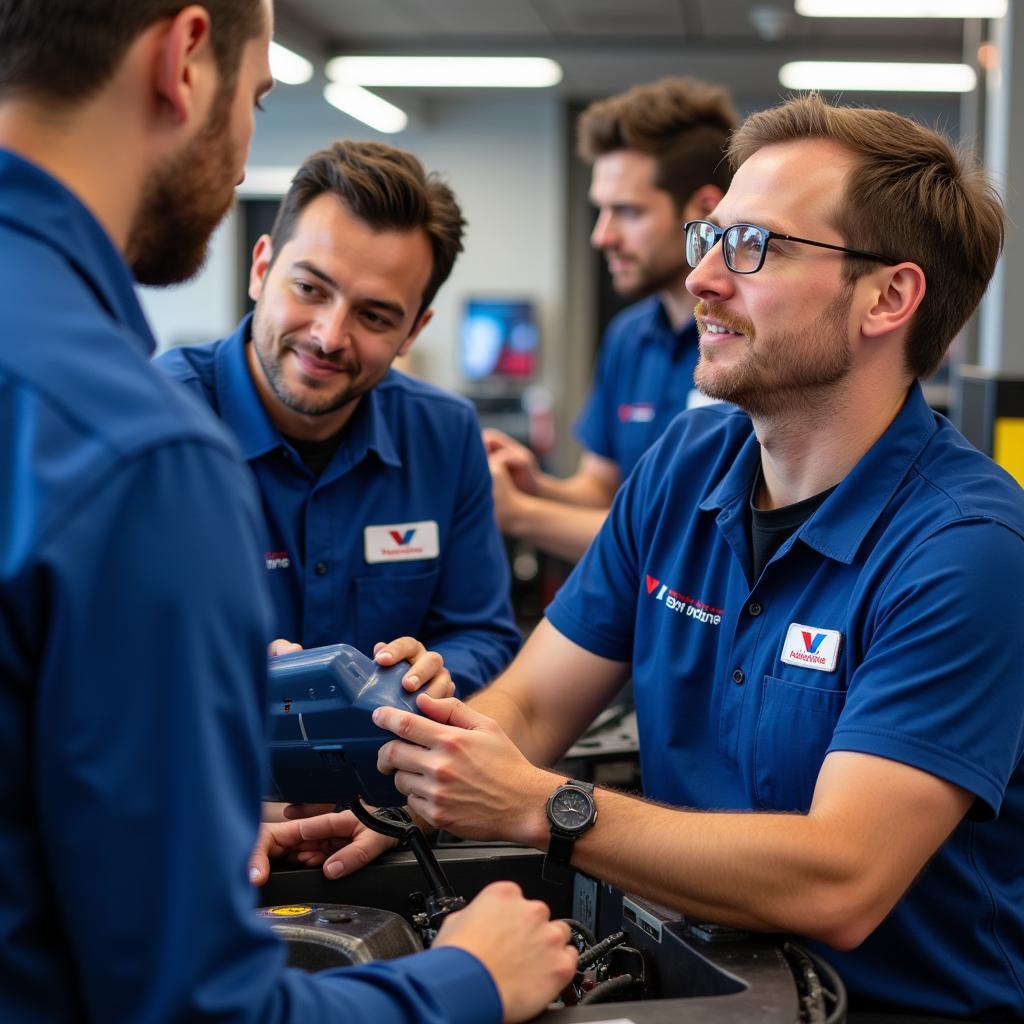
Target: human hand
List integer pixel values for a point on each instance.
(527, 954)
(459, 771)
(426, 668)
(510, 501)
(279, 646)
(338, 841)
(515, 457)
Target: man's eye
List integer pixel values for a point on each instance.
(306, 289)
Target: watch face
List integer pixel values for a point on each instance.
(571, 809)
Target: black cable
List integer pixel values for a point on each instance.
(582, 929)
(598, 994)
(596, 952)
(833, 991)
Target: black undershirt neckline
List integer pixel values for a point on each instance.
(770, 528)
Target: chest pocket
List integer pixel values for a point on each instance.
(794, 728)
(392, 604)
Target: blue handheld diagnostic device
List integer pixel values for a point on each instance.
(323, 743)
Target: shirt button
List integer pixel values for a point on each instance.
(754, 608)
(321, 568)
(738, 676)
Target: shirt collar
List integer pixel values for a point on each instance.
(659, 328)
(35, 203)
(242, 409)
(843, 520)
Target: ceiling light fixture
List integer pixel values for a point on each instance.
(857, 76)
(289, 67)
(901, 8)
(447, 72)
(364, 106)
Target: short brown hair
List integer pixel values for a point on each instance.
(67, 50)
(682, 122)
(385, 187)
(912, 196)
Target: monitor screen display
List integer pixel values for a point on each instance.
(498, 339)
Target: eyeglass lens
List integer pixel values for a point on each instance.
(742, 243)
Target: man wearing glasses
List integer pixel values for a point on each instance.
(818, 594)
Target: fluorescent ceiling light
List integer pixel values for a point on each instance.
(901, 8)
(857, 76)
(447, 72)
(364, 106)
(289, 67)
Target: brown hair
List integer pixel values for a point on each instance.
(910, 195)
(67, 50)
(385, 187)
(682, 122)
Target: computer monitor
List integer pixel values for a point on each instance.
(498, 340)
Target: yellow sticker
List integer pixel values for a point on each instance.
(297, 911)
(1008, 445)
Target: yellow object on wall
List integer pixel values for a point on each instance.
(1008, 445)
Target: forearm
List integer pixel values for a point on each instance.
(758, 871)
(583, 490)
(557, 528)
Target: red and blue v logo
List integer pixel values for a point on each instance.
(401, 539)
(811, 644)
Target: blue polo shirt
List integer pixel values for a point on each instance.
(889, 624)
(395, 537)
(133, 620)
(644, 377)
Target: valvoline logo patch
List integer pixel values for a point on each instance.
(811, 647)
(812, 641)
(637, 412)
(401, 542)
(683, 604)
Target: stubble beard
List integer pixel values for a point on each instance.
(183, 202)
(782, 373)
(271, 353)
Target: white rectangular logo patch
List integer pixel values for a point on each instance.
(812, 647)
(401, 542)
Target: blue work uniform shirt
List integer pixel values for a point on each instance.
(133, 621)
(888, 624)
(395, 537)
(644, 378)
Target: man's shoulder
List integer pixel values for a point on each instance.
(84, 380)
(190, 362)
(964, 483)
(634, 319)
(417, 398)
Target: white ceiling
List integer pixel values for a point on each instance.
(607, 45)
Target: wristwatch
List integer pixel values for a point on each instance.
(571, 811)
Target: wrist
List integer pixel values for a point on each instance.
(534, 824)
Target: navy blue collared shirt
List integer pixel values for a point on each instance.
(888, 624)
(133, 622)
(395, 537)
(644, 377)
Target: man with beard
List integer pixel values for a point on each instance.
(658, 155)
(133, 614)
(818, 594)
(374, 486)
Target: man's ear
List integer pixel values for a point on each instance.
(425, 317)
(262, 257)
(702, 202)
(898, 292)
(185, 77)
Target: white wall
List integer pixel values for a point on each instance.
(504, 157)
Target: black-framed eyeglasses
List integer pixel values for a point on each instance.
(744, 245)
